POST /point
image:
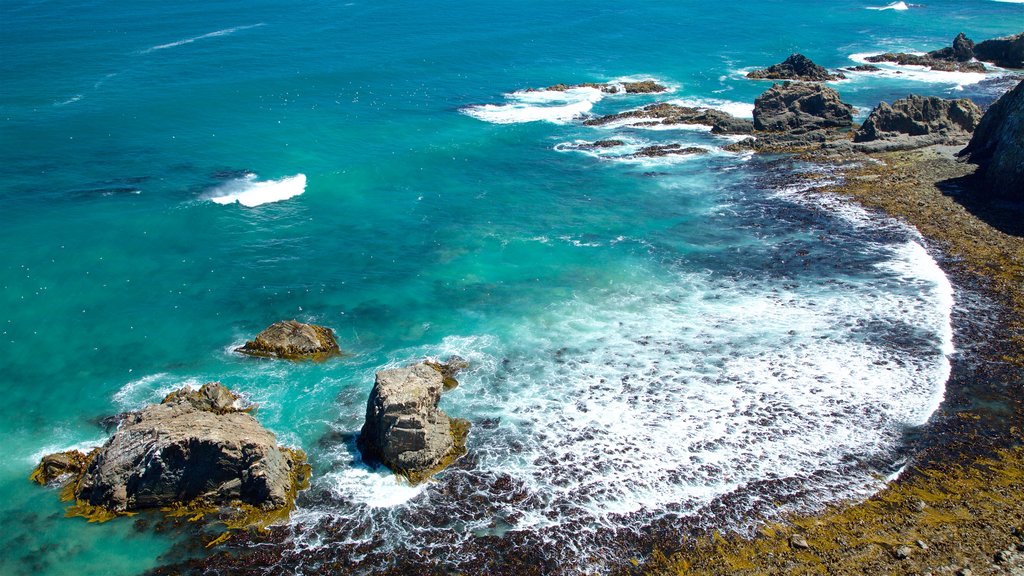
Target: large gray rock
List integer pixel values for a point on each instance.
(293, 340)
(796, 67)
(800, 107)
(1007, 52)
(917, 121)
(998, 145)
(194, 448)
(404, 428)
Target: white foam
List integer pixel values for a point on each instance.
(223, 32)
(85, 446)
(899, 6)
(250, 192)
(151, 389)
(557, 107)
(916, 73)
(376, 489)
(737, 109)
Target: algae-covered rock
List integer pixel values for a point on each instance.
(59, 466)
(449, 369)
(293, 340)
(193, 449)
(404, 428)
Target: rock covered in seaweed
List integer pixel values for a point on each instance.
(800, 107)
(193, 449)
(998, 145)
(404, 428)
(917, 121)
(796, 67)
(293, 340)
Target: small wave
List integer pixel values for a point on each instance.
(917, 73)
(900, 6)
(737, 109)
(223, 32)
(374, 489)
(150, 389)
(557, 107)
(71, 100)
(250, 192)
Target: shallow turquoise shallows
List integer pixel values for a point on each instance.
(645, 336)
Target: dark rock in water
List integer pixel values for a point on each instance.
(607, 143)
(998, 145)
(917, 121)
(643, 87)
(864, 68)
(449, 369)
(293, 341)
(58, 466)
(404, 428)
(658, 151)
(640, 87)
(192, 449)
(961, 51)
(800, 107)
(668, 114)
(796, 67)
(1006, 52)
(942, 65)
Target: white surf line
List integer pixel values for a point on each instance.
(223, 32)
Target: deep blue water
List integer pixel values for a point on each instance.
(645, 336)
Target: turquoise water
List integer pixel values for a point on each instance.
(645, 337)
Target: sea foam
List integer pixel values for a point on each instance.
(557, 107)
(916, 73)
(898, 6)
(250, 192)
(223, 32)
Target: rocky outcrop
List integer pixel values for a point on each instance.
(904, 59)
(799, 107)
(665, 114)
(404, 428)
(998, 145)
(1006, 52)
(962, 50)
(293, 340)
(796, 67)
(661, 150)
(451, 367)
(639, 87)
(917, 121)
(196, 448)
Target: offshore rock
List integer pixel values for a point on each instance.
(193, 449)
(961, 51)
(940, 64)
(998, 145)
(917, 121)
(660, 150)
(1006, 52)
(639, 87)
(800, 107)
(796, 67)
(293, 340)
(666, 114)
(404, 428)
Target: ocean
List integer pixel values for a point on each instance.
(659, 342)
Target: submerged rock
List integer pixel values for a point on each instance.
(1006, 52)
(293, 340)
(404, 428)
(998, 145)
(917, 121)
(193, 449)
(796, 67)
(666, 114)
(800, 107)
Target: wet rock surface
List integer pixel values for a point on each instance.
(666, 114)
(293, 340)
(917, 121)
(658, 151)
(1005, 52)
(638, 87)
(404, 428)
(796, 67)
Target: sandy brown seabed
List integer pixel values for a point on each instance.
(959, 506)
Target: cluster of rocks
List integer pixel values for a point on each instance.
(667, 114)
(793, 116)
(917, 121)
(964, 55)
(796, 67)
(639, 87)
(997, 145)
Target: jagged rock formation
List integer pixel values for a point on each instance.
(660, 150)
(668, 114)
(639, 87)
(1006, 52)
(917, 121)
(962, 50)
(998, 145)
(800, 107)
(404, 428)
(796, 67)
(194, 448)
(293, 340)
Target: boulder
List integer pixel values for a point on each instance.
(961, 51)
(917, 121)
(800, 107)
(193, 449)
(666, 114)
(796, 67)
(404, 428)
(293, 340)
(998, 145)
(1006, 52)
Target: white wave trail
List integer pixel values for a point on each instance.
(900, 6)
(223, 32)
(557, 107)
(917, 73)
(250, 192)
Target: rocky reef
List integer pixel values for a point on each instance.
(638, 87)
(794, 106)
(660, 150)
(917, 121)
(796, 67)
(1005, 52)
(404, 428)
(293, 340)
(666, 114)
(998, 145)
(964, 55)
(195, 449)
